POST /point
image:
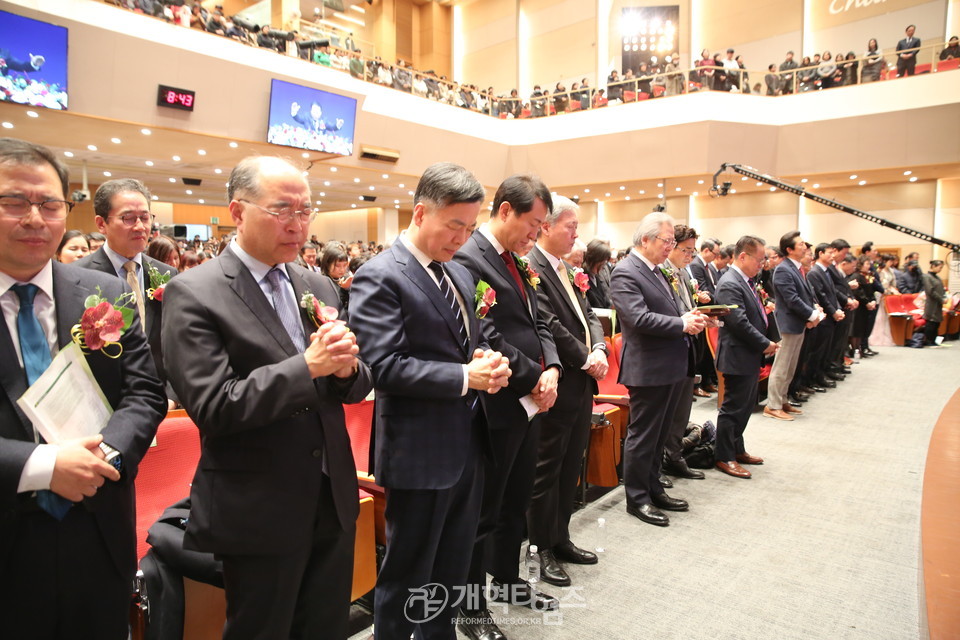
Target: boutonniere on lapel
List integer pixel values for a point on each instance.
(694, 288)
(869, 279)
(761, 293)
(317, 311)
(102, 324)
(579, 279)
(484, 299)
(523, 266)
(158, 283)
(672, 278)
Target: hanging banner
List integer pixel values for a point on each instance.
(830, 13)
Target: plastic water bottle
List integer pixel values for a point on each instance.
(856, 356)
(533, 565)
(601, 535)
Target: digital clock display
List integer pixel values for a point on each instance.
(175, 98)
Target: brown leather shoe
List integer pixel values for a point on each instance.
(710, 388)
(777, 414)
(788, 409)
(731, 468)
(700, 393)
(746, 458)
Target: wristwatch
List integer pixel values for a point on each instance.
(112, 456)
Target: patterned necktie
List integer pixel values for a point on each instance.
(512, 268)
(35, 351)
(756, 296)
(131, 268)
(447, 292)
(286, 310)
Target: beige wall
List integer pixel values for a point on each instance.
(561, 44)
(759, 30)
(489, 43)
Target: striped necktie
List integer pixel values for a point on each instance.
(447, 292)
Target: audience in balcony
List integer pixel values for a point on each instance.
(906, 53)
(873, 63)
(952, 50)
(786, 73)
(773, 81)
(614, 88)
(848, 69)
(827, 71)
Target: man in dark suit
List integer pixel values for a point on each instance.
(703, 271)
(275, 493)
(518, 332)
(826, 296)
(565, 429)
(796, 312)
(416, 319)
(933, 307)
(67, 541)
(655, 363)
(742, 346)
(837, 370)
(123, 215)
(907, 61)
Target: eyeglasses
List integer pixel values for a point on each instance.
(670, 242)
(688, 252)
(19, 207)
(284, 216)
(131, 219)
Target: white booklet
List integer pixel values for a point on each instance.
(66, 402)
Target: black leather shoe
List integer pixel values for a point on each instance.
(551, 571)
(664, 501)
(818, 389)
(478, 624)
(798, 398)
(838, 377)
(793, 403)
(870, 352)
(828, 384)
(649, 514)
(522, 594)
(665, 482)
(569, 552)
(680, 469)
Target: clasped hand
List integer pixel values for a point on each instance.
(771, 349)
(488, 371)
(332, 350)
(693, 322)
(80, 469)
(597, 364)
(545, 391)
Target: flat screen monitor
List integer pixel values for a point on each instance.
(311, 119)
(33, 62)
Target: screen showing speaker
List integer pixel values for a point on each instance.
(311, 119)
(33, 62)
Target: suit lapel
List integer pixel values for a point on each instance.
(496, 261)
(658, 282)
(300, 288)
(12, 377)
(69, 296)
(419, 276)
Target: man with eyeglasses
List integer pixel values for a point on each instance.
(656, 362)
(67, 535)
(265, 379)
(122, 209)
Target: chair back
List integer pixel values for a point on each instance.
(359, 418)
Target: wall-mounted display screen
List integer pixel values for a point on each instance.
(33, 62)
(311, 119)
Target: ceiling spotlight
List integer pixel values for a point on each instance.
(853, 177)
(396, 202)
(33, 114)
(149, 163)
(622, 187)
(816, 185)
(146, 132)
(189, 192)
(659, 184)
(304, 155)
(660, 195)
(234, 145)
(596, 200)
(862, 182)
(385, 176)
(172, 179)
(606, 195)
(409, 193)
(202, 152)
(773, 188)
(115, 140)
(907, 173)
(333, 169)
(628, 197)
(586, 190)
(322, 194)
(107, 174)
(201, 201)
(678, 189)
(699, 181)
(69, 154)
(913, 179)
(759, 184)
(218, 171)
(353, 206)
(176, 158)
(804, 181)
(372, 188)
(733, 190)
(400, 185)
(396, 206)
(326, 183)
(91, 147)
(356, 179)
(642, 192)
(695, 193)
(154, 197)
(743, 178)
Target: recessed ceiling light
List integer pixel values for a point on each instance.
(396, 206)
(586, 190)
(907, 173)
(913, 179)
(400, 185)
(759, 184)
(360, 198)
(69, 154)
(733, 190)
(201, 201)
(853, 177)
(596, 200)
(678, 189)
(326, 183)
(154, 197)
(176, 158)
(660, 195)
(218, 171)
(642, 192)
(409, 193)
(33, 114)
(322, 194)
(353, 206)
(333, 169)
(816, 185)
(804, 181)
(628, 197)
(385, 176)
(744, 178)
(862, 182)
(189, 192)
(149, 163)
(659, 184)
(91, 147)
(699, 181)
(622, 187)
(356, 179)
(234, 145)
(304, 155)
(318, 203)
(606, 195)
(372, 188)
(146, 132)
(773, 188)
(202, 152)
(107, 174)
(695, 193)
(396, 202)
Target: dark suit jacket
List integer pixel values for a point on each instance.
(556, 309)
(513, 327)
(131, 386)
(794, 302)
(655, 348)
(743, 336)
(699, 271)
(936, 295)
(840, 284)
(824, 288)
(152, 309)
(409, 336)
(266, 427)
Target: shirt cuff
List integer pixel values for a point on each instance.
(466, 381)
(38, 471)
(814, 315)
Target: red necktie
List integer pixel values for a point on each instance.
(512, 268)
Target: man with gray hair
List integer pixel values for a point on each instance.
(656, 361)
(565, 428)
(122, 209)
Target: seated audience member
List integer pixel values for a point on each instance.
(420, 86)
(333, 264)
(402, 79)
(952, 50)
(786, 73)
(322, 56)
(166, 250)
(645, 76)
(933, 308)
(560, 98)
(614, 88)
(629, 81)
(189, 259)
(339, 60)
(599, 100)
(96, 240)
(873, 63)
(912, 278)
(596, 264)
(266, 40)
(355, 65)
(72, 247)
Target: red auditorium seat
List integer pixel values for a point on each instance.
(360, 427)
(629, 96)
(946, 65)
(713, 336)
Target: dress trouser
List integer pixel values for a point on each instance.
(673, 445)
(739, 399)
(651, 412)
(930, 331)
(784, 366)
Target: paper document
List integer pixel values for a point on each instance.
(66, 402)
(530, 406)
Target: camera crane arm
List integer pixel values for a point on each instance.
(723, 188)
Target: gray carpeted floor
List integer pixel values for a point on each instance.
(823, 541)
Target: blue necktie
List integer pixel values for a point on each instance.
(287, 312)
(36, 358)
